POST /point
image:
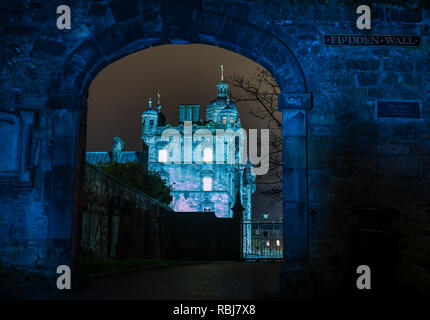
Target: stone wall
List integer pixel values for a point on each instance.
(355, 158)
(337, 153)
(119, 221)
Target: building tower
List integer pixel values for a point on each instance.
(149, 120)
(216, 106)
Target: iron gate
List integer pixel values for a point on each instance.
(262, 240)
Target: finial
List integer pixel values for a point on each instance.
(150, 103)
(158, 97)
(228, 100)
(222, 72)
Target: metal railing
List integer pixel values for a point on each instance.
(262, 240)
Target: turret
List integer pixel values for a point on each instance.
(149, 120)
(213, 110)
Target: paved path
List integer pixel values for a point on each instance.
(218, 280)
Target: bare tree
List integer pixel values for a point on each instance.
(261, 91)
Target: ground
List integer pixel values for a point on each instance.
(210, 281)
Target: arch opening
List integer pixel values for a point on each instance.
(126, 99)
(275, 57)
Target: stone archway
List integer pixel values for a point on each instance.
(176, 22)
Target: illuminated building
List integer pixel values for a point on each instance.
(202, 160)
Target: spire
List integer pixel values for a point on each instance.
(158, 101)
(238, 207)
(222, 87)
(150, 103)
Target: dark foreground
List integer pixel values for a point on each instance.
(218, 280)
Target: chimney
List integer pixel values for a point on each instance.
(196, 113)
(189, 115)
(181, 113)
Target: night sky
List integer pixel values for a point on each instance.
(183, 74)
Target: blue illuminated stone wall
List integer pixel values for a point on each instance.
(188, 194)
(352, 158)
(187, 179)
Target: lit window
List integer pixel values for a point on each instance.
(268, 243)
(207, 155)
(162, 156)
(278, 243)
(231, 120)
(224, 120)
(207, 184)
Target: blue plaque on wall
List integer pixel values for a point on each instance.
(398, 109)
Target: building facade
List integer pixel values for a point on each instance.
(204, 161)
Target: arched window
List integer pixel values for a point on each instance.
(207, 155)
(207, 184)
(162, 155)
(224, 120)
(231, 120)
